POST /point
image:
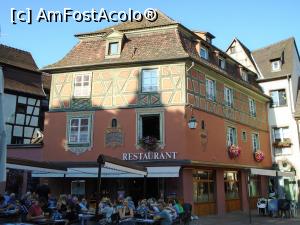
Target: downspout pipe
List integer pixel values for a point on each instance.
(3, 148)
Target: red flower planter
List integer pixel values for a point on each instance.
(259, 156)
(234, 151)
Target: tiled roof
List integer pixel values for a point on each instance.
(16, 57)
(20, 71)
(264, 56)
(172, 43)
(162, 45)
(162, 20)
(24, 81)
(46, 80)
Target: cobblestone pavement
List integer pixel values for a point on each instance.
(239, 218)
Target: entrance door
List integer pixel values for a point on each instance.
(232, 192)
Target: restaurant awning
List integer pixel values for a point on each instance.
(34, 166)
(110, 171)
(167, 171)
(263, 172)
(110, 167)
(285, 174)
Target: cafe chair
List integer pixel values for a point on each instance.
(186, 218)
(115, 219)
(284, 208)
(262, 206)
(293, 208)
(273, 207)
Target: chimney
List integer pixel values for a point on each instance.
(205, 36)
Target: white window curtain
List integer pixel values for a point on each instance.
(228, 96)
(252, 107)
(231, 136)
(79, 131)
(82, 85)
(210, 89)
(255, 142)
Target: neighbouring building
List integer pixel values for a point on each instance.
(278, 68)
(133, 91)
(24, 103)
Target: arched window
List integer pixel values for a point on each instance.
(114, 123)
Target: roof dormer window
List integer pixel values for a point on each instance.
(114, 44)
(113, 48)
(222, 63)
(276, 65)
(244, 76)
(204, 53)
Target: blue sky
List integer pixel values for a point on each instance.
(256, 23)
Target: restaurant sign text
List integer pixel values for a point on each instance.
(149, 156)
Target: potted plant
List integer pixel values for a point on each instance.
(234, 151)
(286, 142)
(149, 143)
(259, 156)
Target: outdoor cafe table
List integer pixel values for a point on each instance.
(84, 217)
(9, 216)
(45, 221)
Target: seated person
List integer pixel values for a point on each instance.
(35, 211)
(171, 210)
(71, 213)
(62, 205)
(130, 202)
(12, 202)
(178, 207)
(107, 210)
(83, 205)
(125, 213)
(3, 205)
(163, 216)
(142, 208)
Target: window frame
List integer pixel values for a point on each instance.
(211, 179)
(142, 80)
(255, 134)
(220, 60)
(235, 138)
(252, 107)
(109, 48)
(204, 49)
(214, 96)
(89, 87)
(236, 181)
(281, 133)
(244, 138)
(244, 76)
(231, 97)
(276, 69)
(79, 132)
(139, 129)
(277, 90)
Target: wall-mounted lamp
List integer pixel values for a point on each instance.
(192, 121)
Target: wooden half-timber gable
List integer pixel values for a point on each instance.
(120, 87)
(196, 96)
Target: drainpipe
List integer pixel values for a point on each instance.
(3, 148)
(292, 105)
(290, 94)
(193, 64)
